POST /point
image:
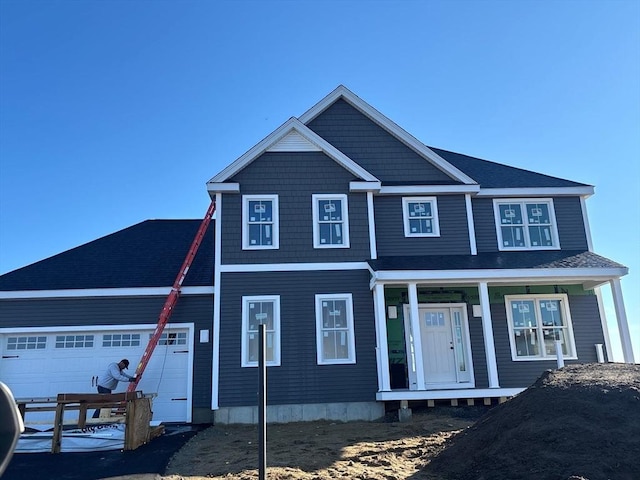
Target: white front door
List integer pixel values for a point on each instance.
(445, 348)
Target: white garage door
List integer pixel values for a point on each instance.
(38, 363)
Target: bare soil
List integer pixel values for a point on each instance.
(580, 422)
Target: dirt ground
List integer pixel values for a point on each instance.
(581, 422)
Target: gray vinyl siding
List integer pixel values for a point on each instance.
(478, 355)
(452, 217)
(294, 177)
(571, 228)
(299, 379)
(59, 312)
(587, 331)
(374, 148)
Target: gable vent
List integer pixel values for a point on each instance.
(293, 142)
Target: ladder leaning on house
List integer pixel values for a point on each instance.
(172, 299)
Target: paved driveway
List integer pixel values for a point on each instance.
(151, 458)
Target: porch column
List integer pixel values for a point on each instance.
(415, 336)
(382, 346)
(487, 330)
(621, 317)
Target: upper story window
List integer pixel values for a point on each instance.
(536, 322)
(526, 224)
(330, 221)
(420, 217)
(334, 329)
(257, 310)
(259, 222)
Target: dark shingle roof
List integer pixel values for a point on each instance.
(148, 254)
(497, 260)
(495, 175)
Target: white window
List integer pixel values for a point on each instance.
(121, 340)
(74, 341)
(179, 338)
(420, 217)
(330, 221)
(535, 323)
(255, 311)
(335, 339)
(526, 224)
(260, 222)
(26, 343)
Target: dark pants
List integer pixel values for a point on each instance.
(96, 414)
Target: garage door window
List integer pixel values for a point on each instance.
(179, 338)
(74, 341)
(26, 343)
(121, 340)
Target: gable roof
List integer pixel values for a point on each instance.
(148, 254)
(301, 133)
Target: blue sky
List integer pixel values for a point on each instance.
(114, 112)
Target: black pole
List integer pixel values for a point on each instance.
(262, 406)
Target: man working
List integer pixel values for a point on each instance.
(108, 381)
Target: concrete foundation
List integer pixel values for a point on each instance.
(343, 412)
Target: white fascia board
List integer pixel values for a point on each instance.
(448, 394)
(389, 125)
(105, 292)
(293, 267)
(223, 187)
(502, 276)
(429, 189)
(293, 124)
(364, 186)
(586, 191)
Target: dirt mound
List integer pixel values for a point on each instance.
(582, 421)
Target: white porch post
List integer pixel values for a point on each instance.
(382, 348)
(621, 317)
(416, 337)
(487, 330)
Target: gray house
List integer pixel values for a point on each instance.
(383, 269)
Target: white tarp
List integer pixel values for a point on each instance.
(89, 439)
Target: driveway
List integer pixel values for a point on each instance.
(151, 458)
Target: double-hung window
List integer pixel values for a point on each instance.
(330, 221)
(334, 329)
(526, 224)
(536, 323)
(255, 311)
(420, 216)
(260, 222)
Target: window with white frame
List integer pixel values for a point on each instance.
(260, 222)
(334, 329)
(74, 341)
(536, 322)
(330, 221)
(526, 224)
(121, 340)
(420, 217)
(255, 311)
(26, 343)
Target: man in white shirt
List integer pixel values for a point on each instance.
(108, 381)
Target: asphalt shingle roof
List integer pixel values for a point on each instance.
(496, 260)
(148, 254)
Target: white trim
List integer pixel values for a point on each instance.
(387, 124)
(623, 324)
(293, 124)
(292, 267)
(293, 142)
(501, 276)
(487, 331)
(470, 224)
(315, 198)
(539, 328)
(434, 216)
(585, 221)
(555, 240)
(275, 222)
(355, 186)
(371, 218)
(348, 298)
(86, 328)
(417, 382)
(447, 394)
(105, 292)
(215, 327)
(220, 187)
(428, 189)
(605, 324)
(382, 345)
(586, 190)
(244, 348)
